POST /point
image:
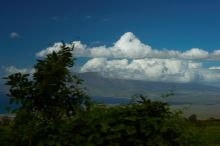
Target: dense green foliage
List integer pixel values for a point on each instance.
(147, 123)
(55, 111)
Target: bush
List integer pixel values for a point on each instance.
(148, 123)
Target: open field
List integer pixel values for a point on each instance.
(202, 111)
(209, 132)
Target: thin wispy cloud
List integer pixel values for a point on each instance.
(214, 67)
(13, 69)
(61, 18)
(88, 17)
(106, 19)
(55, 18)
(14, 35)
(95, 43)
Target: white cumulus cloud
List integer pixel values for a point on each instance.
(13, 69)
(79, 49)
(195, 53)
(130, 47)
(171, 70)
(129, 58)
(215, 55)
(216, 52)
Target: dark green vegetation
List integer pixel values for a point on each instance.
(55, 111)
(210, 131)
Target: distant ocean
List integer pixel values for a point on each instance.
(4, 101)
(112, 100)
(203, 111)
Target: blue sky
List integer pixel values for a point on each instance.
(28, 26)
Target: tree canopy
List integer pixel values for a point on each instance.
(52, 89)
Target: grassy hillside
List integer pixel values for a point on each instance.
(194, 93)
(209, 131)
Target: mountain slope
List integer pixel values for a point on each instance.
(184, 92)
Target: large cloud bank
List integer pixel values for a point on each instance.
(169, 70)
(130, 47)
(129, 58)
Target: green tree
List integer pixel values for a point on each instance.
(48, 97)
(53, 89)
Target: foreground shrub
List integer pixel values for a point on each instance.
(149, 123)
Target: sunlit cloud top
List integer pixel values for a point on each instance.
(130, 47)
(129, 58)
